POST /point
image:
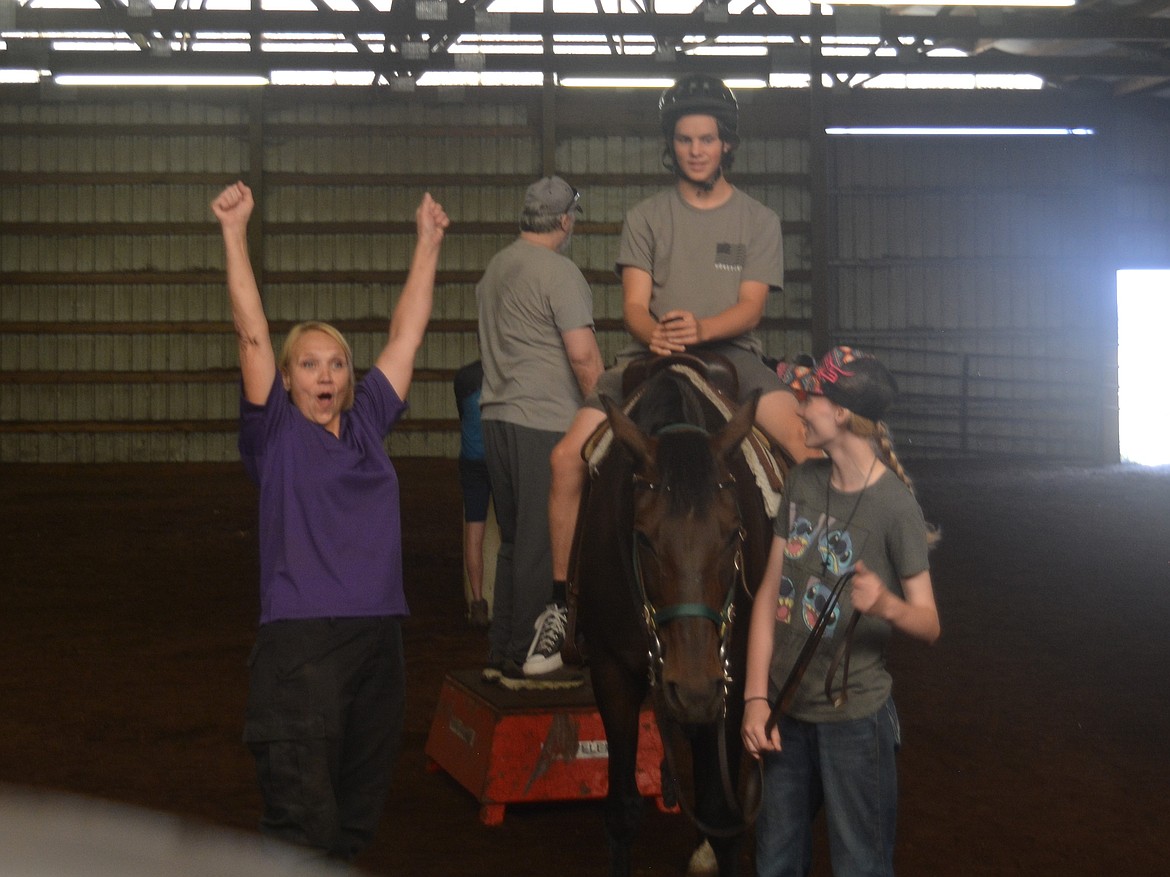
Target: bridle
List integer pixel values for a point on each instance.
(657, 617)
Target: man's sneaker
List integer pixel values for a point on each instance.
(477, 614)
(544, 655)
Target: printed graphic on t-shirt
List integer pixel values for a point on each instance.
(811, 545)
(801, 536)
(730, 257)
(786, 600)
(836, 550)
(816, 597)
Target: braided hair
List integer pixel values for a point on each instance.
(878, 435)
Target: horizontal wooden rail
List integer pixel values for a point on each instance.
(273, 129)
(435, 179)
(61, 427)
(595, 277)
(191, 376)
(308, 227)
(182, 278)
(223, 327)
(191, 327)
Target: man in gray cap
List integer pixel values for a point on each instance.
(540, 361)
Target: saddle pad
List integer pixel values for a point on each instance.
(754, 446)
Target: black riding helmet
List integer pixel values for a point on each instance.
(699, 94)
(695, 94)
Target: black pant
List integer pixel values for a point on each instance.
(324, 720)
(520, 475)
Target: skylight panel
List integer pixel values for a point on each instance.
(958, 81)
(216, 46)
(323, 77)
(729, 51)
(469, 78)
(324, 48)
(288, 5)
(122, 45)
(19, 77)
(64, 4)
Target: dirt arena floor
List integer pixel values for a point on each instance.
(1035, 731)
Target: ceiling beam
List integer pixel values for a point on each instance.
(204, 63)
(462, 18)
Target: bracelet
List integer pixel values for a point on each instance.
(757, 697)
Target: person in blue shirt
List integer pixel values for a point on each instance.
(475, 486)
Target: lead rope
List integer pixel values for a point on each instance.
(792, 683)
(842, 653)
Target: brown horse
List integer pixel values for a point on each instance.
(672, 534)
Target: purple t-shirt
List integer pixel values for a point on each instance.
(330, 525)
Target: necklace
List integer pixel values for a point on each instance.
(844, 528)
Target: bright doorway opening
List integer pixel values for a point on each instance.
(1143, 321)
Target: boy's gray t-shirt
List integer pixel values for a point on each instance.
(698, 258)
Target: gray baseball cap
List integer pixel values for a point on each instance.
(551, 196)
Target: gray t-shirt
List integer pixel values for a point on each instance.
(698, 258)
(527, 297)
(882, 526)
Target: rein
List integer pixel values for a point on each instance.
(844, 649)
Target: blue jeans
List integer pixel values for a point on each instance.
(850, 769)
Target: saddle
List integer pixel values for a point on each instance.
(714, 367)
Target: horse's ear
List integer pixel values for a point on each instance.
(726, 442)
(628, 433)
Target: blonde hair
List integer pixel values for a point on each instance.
(878, 435)
(298, 331)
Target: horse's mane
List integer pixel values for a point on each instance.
(686, 469)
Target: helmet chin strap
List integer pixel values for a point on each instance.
(702, 185)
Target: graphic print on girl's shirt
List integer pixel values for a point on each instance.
(817, 553)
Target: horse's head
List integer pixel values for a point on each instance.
(687, 546)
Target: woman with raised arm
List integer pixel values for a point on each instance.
(327, 678)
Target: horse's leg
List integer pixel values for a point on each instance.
(619, 695)
(712, 806)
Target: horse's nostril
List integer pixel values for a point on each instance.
(693, 700)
